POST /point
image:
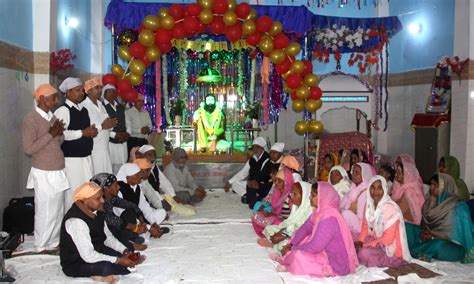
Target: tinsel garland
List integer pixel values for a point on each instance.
(252, 80)
(276, 95)
(165, 88)
(240, 77)
(158, 94)
(183, 81)
(386, 89)
(265, 81)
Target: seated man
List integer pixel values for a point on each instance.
(87, 247)
(210, 122)
(181, 179)
(276, 155)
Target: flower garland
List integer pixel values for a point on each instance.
(455, 65)
(265, 82)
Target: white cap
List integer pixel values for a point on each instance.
(278, 146)
(107, 87)
(259, 141)
(69, 83)
(145, 148)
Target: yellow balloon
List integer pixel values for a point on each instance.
(229, 18)
(146, 37)
(293, 49)
(117, 70)
(205, 16)
(313, 105)
(301, 127)
(137, 67)
(248, 27)
(276, 28)
(303, 92)
(167, 22)
(311, 80)
(315, 126)
(252, 16)
(284, 76)
(123, 53)
(266, 44)
(163, 12)
(277, 56)
(151, 22)
(297, 105)
(205, 4)
(232, 4)
(153, 53)
(135, 79)
(297, 67)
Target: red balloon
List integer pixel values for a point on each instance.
(178, 31)
(233, 33)
(165, 47)
(242, 10)
(162, 36)
(264, 24)
(140, 28)
(130, 96)
(109, 79)
(280, 41)
(201, 28)
(315, 93)
(294, 96)
(293, 81)
(176, 11)
(219, 6)
(193, 9)
(137, 50)
(217, 26)
(253, 39)
(146, 61)
(283, 67)
(308, 67)
(191, 24)
(123, 86)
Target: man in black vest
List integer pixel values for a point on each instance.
(118, 136)
(78, 134)
(276, 155)
(87, 247)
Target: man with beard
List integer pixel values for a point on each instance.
(210, 122)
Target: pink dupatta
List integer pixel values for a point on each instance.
(354, 193)
(277, 198)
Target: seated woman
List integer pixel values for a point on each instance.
(388, 172)
(450, 165)
(277, 236)
(358, 156)
(322, 246)
(330, 160)
(339, 178)
(446, 228)
(353, 203)
(382, 241)
(279, 199)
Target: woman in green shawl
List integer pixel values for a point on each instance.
(450, 165)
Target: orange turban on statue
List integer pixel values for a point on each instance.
(44, 90)
(85, 191)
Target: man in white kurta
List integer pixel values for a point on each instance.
(101, 161)
(42, 135)
(78, 136)
(138, 123)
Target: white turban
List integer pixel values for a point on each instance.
(126, 170)
(145, 148)
(69, 83)
(279, 147)
(107, 87)
(259, 141)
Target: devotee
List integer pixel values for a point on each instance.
(42, 135)
(276, 236)
(330, 160)
(388, 172)
(78, 135)
(181, 179)
(101, 161)
(446, 228)
(87, 247)
(353, 203)
(124, 227)
(292, 164)
(322, 246)
(382, 241)
(276, 207)
(276, 155)
(210, 121)
(138, 123)
(358, 156)
(129, 178)
(339, 179)
(450, 165)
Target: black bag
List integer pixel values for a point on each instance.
(19, 216)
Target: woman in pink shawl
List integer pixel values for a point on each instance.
(353, 203)
(322, 246)
(279, 199)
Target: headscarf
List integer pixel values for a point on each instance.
(69, 83)
(143, 163)
(44, 90)
(324, 176)
(86, 191)
(145, 148)
(454, 170)
(344, 185)
(104, 180)
(177, 154)
(299, 214)
(277, 197)
(368, 172)
(89, 84)
(290, 162)
(412, 188)
(383, 217)
(133, 154)
(126, 170)
(107, 87)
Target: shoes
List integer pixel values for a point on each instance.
(243, 199)
(165, 230)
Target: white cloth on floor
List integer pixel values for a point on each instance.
(78, 171)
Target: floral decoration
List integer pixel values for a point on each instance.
(61, 60)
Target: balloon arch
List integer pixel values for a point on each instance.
(236, 21)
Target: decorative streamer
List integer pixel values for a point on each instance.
(252, 80)
(265, 81)
(158, 94)
(165, 88)
(380, 86)
(386, 90)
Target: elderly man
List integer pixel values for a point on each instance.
(87, 247)
(78, 136)
(181, 179)
(118, 136)
(101, 161)
(256, 172)
(210, 122)
(42, 135)
(138, 123)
